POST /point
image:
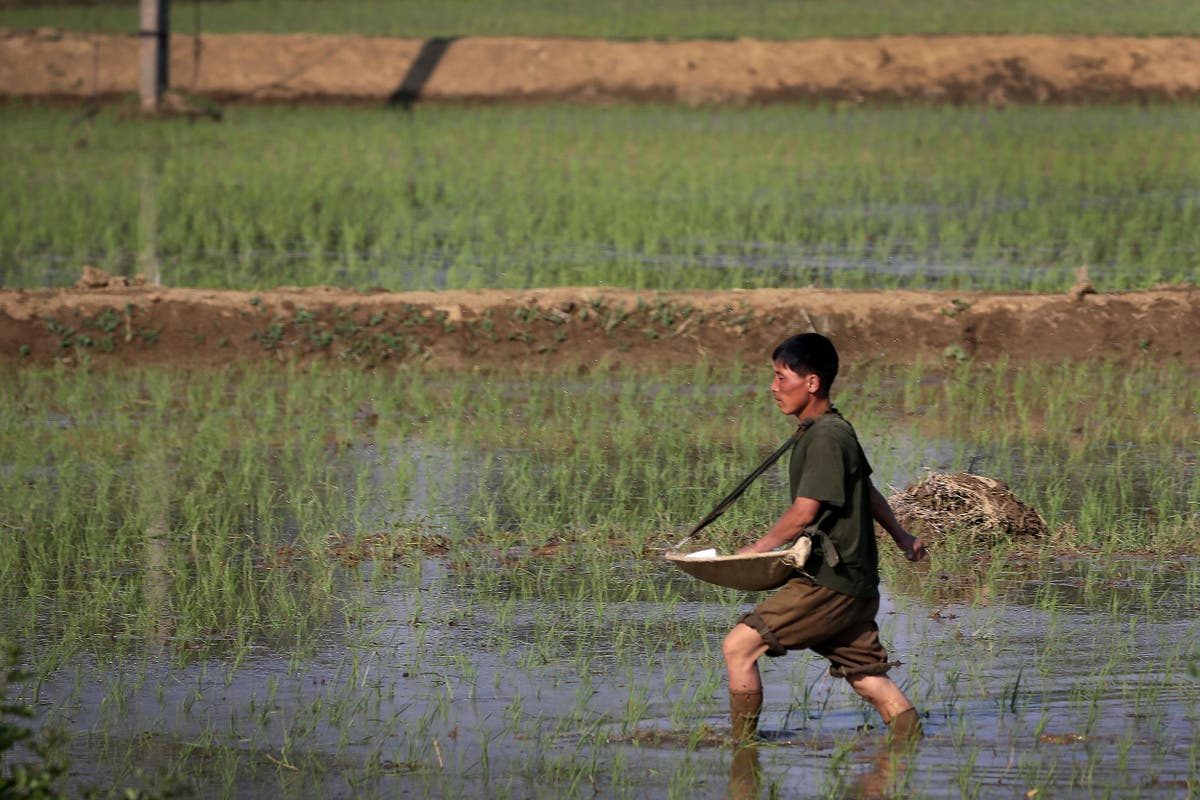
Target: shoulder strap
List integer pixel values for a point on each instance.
(724, 505)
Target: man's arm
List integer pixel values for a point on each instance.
(881, 510)
(799, 515)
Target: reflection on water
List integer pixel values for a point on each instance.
(496, 672)
(439, 680)
(745, 774)
(672, 265)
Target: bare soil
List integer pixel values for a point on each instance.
(106, 322)
(299, 67)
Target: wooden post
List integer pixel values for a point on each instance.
(155, 34)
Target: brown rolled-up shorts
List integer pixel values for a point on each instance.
(837, 626)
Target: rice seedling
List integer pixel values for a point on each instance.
(621, 19)
(1108, 432)
(650, 197)
(285, 595)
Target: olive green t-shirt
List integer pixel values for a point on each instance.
(827, 464)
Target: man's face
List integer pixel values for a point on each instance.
(793, 393)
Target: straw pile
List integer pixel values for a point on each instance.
(981, 509)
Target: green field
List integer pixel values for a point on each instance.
(338, 582)
(223, 481)
(307, 453)
(624, 19)
(331, 583)
(638, 196)
(236, 467)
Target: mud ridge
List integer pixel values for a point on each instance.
(995, 70)
(118, 325)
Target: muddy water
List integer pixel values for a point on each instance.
(731, 263)
(803, 267)
(496, 673)
(603, 679)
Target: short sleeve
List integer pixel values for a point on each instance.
(823, 471)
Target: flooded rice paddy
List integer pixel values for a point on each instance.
(348, 585)
(639, 196)
(552, 682)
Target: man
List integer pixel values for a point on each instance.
(830, 607)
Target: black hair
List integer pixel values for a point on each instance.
(809, 354)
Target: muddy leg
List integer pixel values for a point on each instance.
(905, 726)
(744, 708)
(742, 649)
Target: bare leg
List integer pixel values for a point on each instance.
(742, 649)
(891, 703)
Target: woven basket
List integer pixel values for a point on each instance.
(753, 572)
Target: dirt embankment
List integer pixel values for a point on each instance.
(298, 67)
(112, 324)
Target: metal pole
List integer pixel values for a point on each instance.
(155, 34)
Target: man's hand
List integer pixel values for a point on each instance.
(914, 549)
(798, 516)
